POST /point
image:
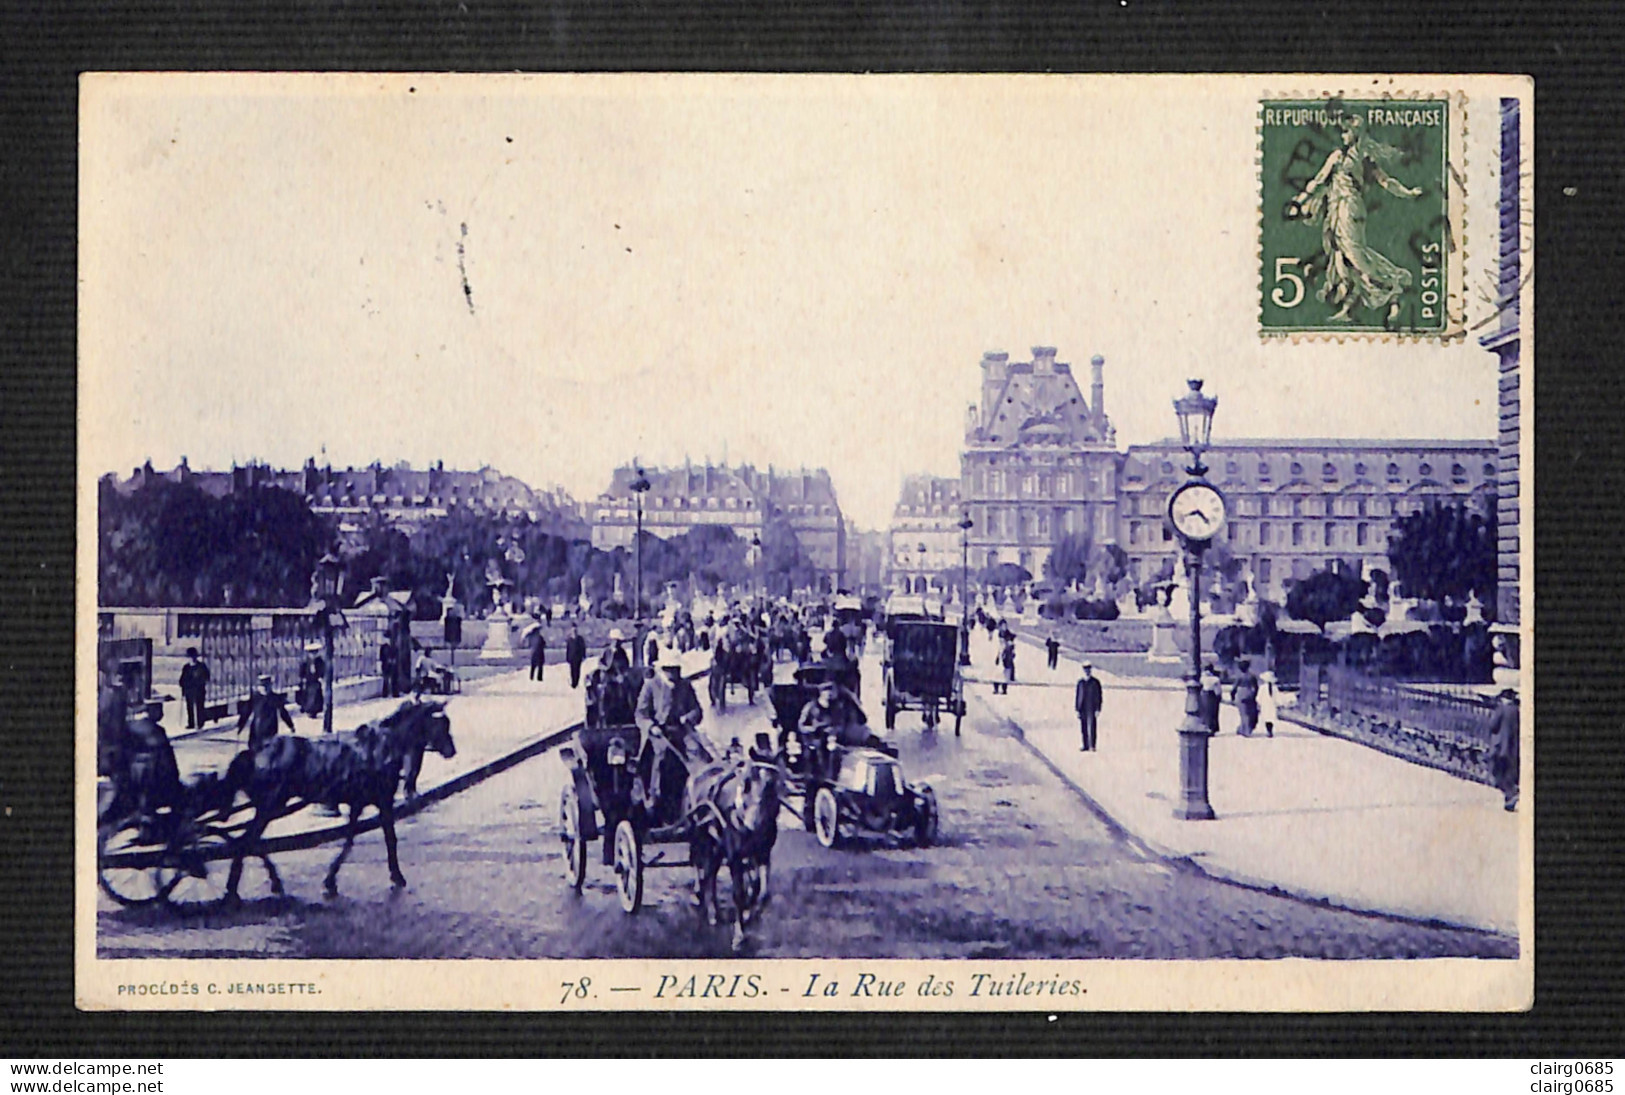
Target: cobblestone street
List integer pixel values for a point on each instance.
(1022, 869)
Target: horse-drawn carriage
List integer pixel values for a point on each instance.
(162, 839)
(922, 670)
(725, 810)
(741, 660)
(837, 788)
(156, 836)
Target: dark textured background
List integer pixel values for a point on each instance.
(1574, 51)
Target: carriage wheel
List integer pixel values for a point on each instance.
(194, 877)
(575, 848)
(826, 817)
(926, 819)
(628, 867)
(126, 885)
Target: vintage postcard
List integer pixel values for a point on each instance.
(836, 543)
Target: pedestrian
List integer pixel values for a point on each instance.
(312, 673)
(1052, 647)
(1007, 658)
(1504, 747)
(1269, 705)
(575, 652)
(194, 688)
(389, 667)
(1207, 703)
(538, 655)
(1087, 699)
(1247, 700)
(265, 710)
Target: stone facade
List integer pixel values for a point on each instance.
(1297, 504)
(1503, 341)
(741, 498)
(1039, 461)
(678, 499)
(927, 516)
(400, 493)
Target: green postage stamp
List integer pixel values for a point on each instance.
(1361, 229)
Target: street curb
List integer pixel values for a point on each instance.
(1152, 850)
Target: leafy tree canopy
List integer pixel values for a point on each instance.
(1326, 595)
(1445, 550)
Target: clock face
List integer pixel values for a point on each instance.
(1197, 511)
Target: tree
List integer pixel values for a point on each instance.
(1326, 595)
(1445, 550)
(1005, 574)
(1068, 560)
(170, 544)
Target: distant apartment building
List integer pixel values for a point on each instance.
(923, 539)
(399, 493)
(743, 498)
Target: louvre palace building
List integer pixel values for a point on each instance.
(1040, 463)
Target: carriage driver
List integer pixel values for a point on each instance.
(835, 711)
(669, 715)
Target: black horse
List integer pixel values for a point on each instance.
(733, 806)
(361, 768)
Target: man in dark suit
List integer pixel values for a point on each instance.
(265, 709)
(575, 652)
(194, 687)
(388, 663)
(538, 655)
(1087, 699)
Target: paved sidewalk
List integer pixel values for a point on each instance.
(491, 719)
(1312, 815)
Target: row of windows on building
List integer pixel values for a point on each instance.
(660, 502)
(998, 484)
(1154, 505)
(417, 501)
(1329, 472)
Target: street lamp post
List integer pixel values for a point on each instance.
(328, 571)
(758, 564)
(925, 583)
(965, 525)
(640, 487)
(1196, 512)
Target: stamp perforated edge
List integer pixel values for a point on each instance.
(1456, 167)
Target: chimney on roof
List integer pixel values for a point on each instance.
(995, 372)
(1043, 360)
(1097, 393)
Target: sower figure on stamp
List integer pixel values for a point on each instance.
(194, 687)
(1356, 273)
(1504, 747)
(1087, 699)
(266, 708)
